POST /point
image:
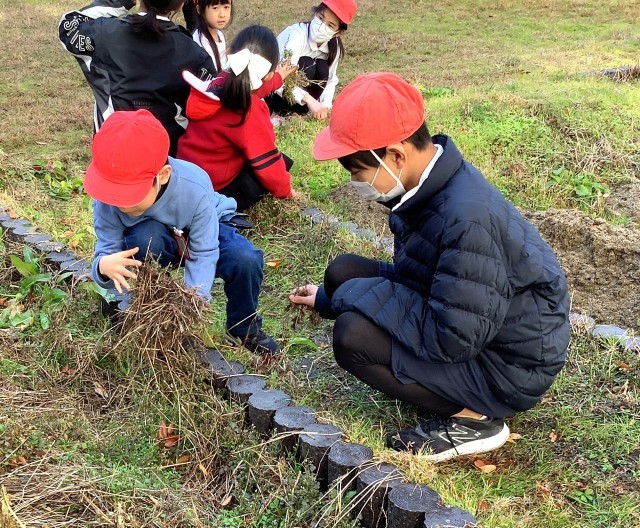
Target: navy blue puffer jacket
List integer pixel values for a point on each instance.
(475, 280)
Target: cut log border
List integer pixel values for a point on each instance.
(372, 499)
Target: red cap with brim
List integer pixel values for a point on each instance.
(127, 153)
(375, 110)
(345, 10)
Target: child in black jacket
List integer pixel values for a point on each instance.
(135, 61)
(470, 322)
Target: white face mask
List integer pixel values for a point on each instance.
(367, 191)
(320, 32)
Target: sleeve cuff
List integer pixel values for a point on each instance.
(298, 94)
(323, 304)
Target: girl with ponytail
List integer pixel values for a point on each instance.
(135, 61)
(230, 134)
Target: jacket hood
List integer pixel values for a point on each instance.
(201, 103)
(200, 106)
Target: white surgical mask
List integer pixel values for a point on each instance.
(367, 191)
(320, 32)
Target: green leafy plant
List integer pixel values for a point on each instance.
(97, 291)
(59, 183)
(434, 91)
(582, 186)
(35, 286)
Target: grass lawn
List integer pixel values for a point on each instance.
(81, 442)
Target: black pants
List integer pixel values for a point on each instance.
(364, 349)
(246, 189)
(317, 71)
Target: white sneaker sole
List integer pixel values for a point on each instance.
(472, 448)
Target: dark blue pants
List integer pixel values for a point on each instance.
(240, 266)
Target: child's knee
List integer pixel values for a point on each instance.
(153, 239)
(247, 258)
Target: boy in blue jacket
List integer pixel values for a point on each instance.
(470, 322)
(147, 203)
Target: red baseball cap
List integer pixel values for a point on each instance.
(373, 111)
(345, 10)
(127, 153)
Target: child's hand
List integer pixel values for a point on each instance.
(285, 69)
(317, 109)
(116, 268)
(305, 295)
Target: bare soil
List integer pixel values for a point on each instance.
(601, 261)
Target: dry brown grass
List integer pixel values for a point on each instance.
(624, 74)
(163, 312)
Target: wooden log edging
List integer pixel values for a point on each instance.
(382, 498)
(345, 460)
(288, 422)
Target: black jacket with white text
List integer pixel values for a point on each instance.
(127, 70)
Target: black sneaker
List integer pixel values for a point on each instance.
(445, 438)
(259, 343)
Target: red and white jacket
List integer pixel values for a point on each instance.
(215, 142)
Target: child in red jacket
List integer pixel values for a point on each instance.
(230, 134)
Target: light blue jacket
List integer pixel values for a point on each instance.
(188, 203)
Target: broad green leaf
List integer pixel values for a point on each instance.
(32, 279)
(303, 341)
(29, 255)
(94, 288)
(582, 190)
(63, 276)
(25, 269)
(22, 320)
(56, 294)
(44, 321)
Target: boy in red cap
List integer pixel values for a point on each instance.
(470, 321)
(316, 48)
(147, 203)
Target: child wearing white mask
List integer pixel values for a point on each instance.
(316, 48)
(470, 322)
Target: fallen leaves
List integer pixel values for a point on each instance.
(204, 470)
(554, 436)
(69, 371)
(166, 435)
(99, 389)
(484, 466)
(17, 461)
(513, 437)
(274, 263)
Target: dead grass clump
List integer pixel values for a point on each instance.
(54, 494)
(163, 312)
(297, 79)
(624, 74)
